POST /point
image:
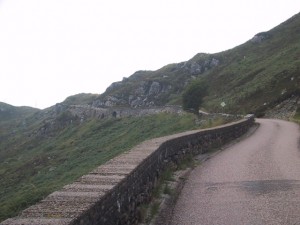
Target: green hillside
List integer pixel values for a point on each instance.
(248, 78)
(33, 166)
(80, 99)
(12, 119)
(259, 72)
(42, 150)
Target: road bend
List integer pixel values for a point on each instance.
(253, 182)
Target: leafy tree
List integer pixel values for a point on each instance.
(192, 97)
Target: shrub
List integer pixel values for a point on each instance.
(192, 97)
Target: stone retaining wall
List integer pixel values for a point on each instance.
(113, 193)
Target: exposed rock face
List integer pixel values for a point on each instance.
(198, 67)
(260, 37)
(194, 68)
(146, 94)
(108, 101)
(114, 86)
(154, 88)
(284, 110)
(60, 116)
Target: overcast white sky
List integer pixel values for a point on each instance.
(51, 49)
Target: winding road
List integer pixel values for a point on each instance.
(253, 182)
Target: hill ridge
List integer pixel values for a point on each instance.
(237, 76)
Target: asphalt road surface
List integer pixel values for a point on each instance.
(253, 182)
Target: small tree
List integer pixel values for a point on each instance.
(192, 97)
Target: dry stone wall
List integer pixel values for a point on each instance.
(114, 192)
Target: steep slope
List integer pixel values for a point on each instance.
(55, 147)
(40, 150)
(259, 73)
(248, 78)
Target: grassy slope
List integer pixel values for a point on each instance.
(80, 99)
(31, 168)
(258, 73)
(247, 77)
(13, 115)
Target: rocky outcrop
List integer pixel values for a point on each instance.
(199, 67)
(285, 109)
(260, 37)
(108, 101)
(155, 88)
(145, 94)
(60, 116)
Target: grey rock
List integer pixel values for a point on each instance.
(214, 62)
(114, 86)
(195, 68)
(141, 90)
(154, 88)
(260, 37)
(138, 102)
(285, 109)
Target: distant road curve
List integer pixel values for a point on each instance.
(254, 182)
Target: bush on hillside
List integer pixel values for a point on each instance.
(192, 97)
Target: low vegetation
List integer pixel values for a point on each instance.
(31, 167)
(297, 116)
(80, 99)
(167, 187)
(192, 97)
